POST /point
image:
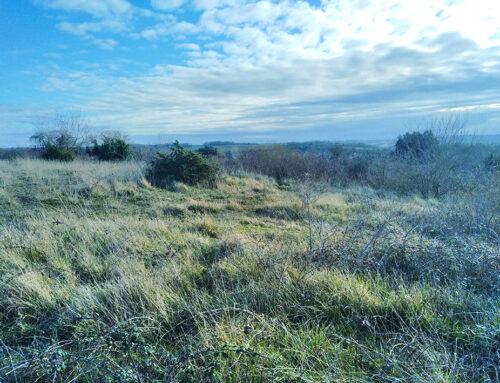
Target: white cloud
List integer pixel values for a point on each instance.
(80, 29)
(470, 108)
(189, 46)
(167, 5)
(266, 31)
(97, 8)
(288, 64)
(106, 44)
(168, 28)
(106, 15)
(87, 29)
(289, 95)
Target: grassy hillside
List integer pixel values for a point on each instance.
(104, 278)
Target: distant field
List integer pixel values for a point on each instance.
(104, 278)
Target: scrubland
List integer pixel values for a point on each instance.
(104, 278)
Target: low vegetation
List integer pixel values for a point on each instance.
(336, 265)
(208, 151)
(62, 138)
(110, 147)
(181, 165)
(57, 153)
(417, 145)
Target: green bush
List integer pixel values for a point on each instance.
(208, 151)
(55, 153)
(421, 145)
(110, 149)
(181, 165)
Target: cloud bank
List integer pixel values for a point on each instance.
(267, 66)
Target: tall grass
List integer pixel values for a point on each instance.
(104, 278)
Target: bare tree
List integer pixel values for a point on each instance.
(68, 131)
(449, 128)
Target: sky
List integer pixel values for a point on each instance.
(249, 70)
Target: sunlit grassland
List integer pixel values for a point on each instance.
(105, 278)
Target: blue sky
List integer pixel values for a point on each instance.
(249, 70)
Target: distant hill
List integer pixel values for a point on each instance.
(491, 139)
(305, 146)
(227, 143)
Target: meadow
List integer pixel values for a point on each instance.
(105, 278)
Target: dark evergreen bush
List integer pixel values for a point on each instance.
(208, 151)
(55, 153)
(421, 145)
(110, 149)
(181, 165)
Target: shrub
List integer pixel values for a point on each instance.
(55, 153)
(62, 138)
(111, 148)
(417, 145)
(492, 163)
(279, 162)
(357, 168)
(208, 151)
(336, 151)
(181, 165)
(337, 165)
